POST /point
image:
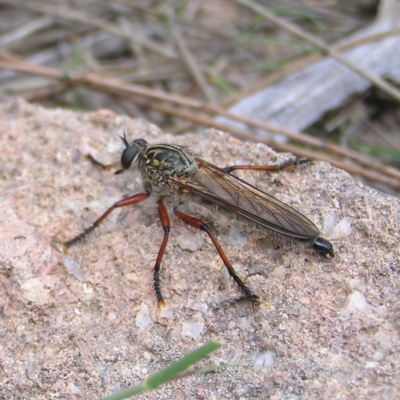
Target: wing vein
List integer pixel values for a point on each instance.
(214, 185)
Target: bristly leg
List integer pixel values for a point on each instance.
(200, 224)
(79, 237)
(164, 219)
(137, 198)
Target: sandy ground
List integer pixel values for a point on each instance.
(85, 323)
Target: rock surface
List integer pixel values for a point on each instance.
(84, 324)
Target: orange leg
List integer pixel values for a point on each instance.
(137, 198)
(200, 224)
(164, 219)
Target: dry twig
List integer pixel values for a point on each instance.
(385, 174)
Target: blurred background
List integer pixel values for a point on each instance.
(315, 78)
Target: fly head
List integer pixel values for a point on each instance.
(132, 152)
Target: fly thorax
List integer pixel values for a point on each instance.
(161, 162)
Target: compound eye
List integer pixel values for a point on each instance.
(129, 156)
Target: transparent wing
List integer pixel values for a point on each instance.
(214, 185)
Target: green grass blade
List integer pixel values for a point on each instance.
(171, 372)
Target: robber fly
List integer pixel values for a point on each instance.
(173, 173)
